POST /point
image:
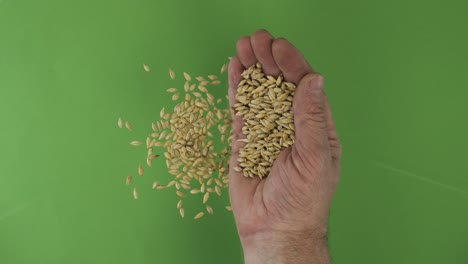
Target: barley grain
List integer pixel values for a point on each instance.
(209, 209)
(266, 108)
(171, 73)
(128, 125)
(223, 68)
(206, 197)
(120, 123)
(140, 170)
(202, 88)
(146, 67)
(218, 190)
(199, 215)
(135, 193)
(135, 143)
(128, 181)
(188, 132)
(182, 212)
(187, 77)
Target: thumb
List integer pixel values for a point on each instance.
(309, 113)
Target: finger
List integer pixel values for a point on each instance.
(241, 188)
(332, 133)
(290, 61)
(245, 52)
(309, 115)
(235, 70)
(261, 43)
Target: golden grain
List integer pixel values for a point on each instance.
(135, 193)
(135, 143)
(182, 212)
(209, 209)
(128, 125)
(171, 73)
(199, 215)
(218, 190)
(206, 197)
(188, 133)
(146, 67)
(187, 77)
(152, 157)
(266, 108)
(120, 123)
(128, 181)
(140, 170)
(212, 77)
(202, 88)
(223, 68)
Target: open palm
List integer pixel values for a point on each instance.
(296, 195)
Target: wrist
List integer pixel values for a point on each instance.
(308, 247)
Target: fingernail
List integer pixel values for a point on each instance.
(316, 81)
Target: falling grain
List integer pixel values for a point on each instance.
(223, 68)
(129, 180)
(206, 197)
(171, 73)
(135, 193)
(128, 125)
(135, 143)
(182, 212)
(209, 209)
(155, 184)
(120, 123)
(199, 215)
(212, 77)
(187, 77)
(187, 133)
(146, 67)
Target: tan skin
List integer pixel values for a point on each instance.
(284, 218)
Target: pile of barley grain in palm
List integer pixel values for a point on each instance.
(186, 136)
(265, 104)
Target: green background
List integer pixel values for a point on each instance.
(395, 74)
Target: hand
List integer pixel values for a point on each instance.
(284, 218)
